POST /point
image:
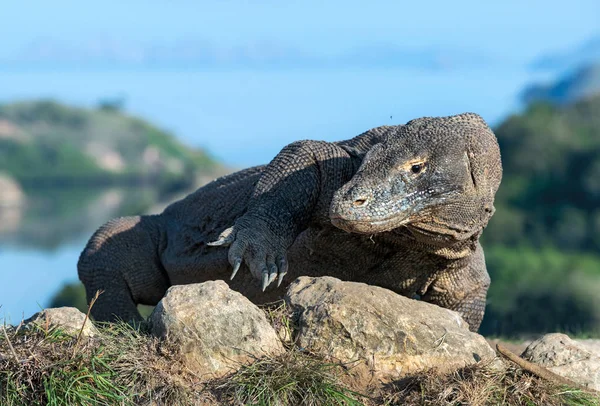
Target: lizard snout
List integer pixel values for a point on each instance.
(365, 209)
(352, 205)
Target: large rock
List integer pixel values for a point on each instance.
(216, 328)
(383, 333)
(69, 319)
(592, 345)
(567, 358)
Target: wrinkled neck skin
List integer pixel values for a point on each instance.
(447, 241)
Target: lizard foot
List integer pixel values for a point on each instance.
(258, 248)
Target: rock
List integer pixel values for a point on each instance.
(387, 335)
(567, 358)
(216, 328)
(592, 345)
(68, 319)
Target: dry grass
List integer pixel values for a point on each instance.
(483, 384)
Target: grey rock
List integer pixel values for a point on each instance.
(69, 319)
(566, 357)
(380, 331)
(216, 328)
(592, 345)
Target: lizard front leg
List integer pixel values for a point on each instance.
(463, 288)
(295, 189)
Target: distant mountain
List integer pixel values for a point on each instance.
(576, 85)
(48, 143)
(586, 54)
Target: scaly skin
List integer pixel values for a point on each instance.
(400, 207)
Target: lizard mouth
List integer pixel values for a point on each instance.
(369, 226)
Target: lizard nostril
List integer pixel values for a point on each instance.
(360, 202)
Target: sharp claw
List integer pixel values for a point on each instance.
(272, 274)
(265, 280)
(217, 243)
(280, 278)
(236, 268)
(225, 238)
(283, 266)
(272, 277)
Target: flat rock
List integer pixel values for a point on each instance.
(386, 334)
(69, 319)
(569, 358)
(216, 328)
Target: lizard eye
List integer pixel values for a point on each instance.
(417, 168)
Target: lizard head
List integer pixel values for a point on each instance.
(442, 171)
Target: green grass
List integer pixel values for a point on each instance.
(296, 378)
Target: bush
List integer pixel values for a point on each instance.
(540, 291)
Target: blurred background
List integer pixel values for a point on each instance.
(117, 108)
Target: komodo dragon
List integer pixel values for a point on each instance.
(401, 207)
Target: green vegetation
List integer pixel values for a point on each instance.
(47, 143)
(295, 378)
(542, 244)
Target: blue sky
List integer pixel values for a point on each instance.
(506, 31)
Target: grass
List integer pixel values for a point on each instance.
(124, 365)
(296, 378)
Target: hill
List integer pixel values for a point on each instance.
(577, 84)
(50, 144)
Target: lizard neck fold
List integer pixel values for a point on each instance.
(446, 246)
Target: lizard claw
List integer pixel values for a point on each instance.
(272, 274)
(283, 269)
(265, 279)
(236, 267)
(225, 238)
